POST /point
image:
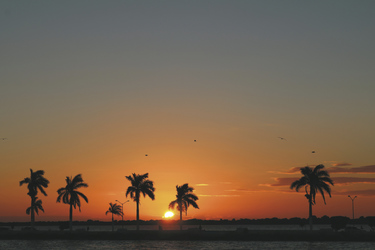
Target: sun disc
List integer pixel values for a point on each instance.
(168, 214)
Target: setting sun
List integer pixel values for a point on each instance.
(168, 214)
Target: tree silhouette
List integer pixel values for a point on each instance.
(140, 184)
(35, 182)
(70, 195)
(114, 209)
(313, 180)
(37, 205)
(185, 198)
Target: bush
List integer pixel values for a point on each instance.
(371, 222)
(339, 222)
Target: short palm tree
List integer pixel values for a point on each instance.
(140, 184)
(185, 198)
(35, 182)
(114, 209)
(70, 195)
(37, 205)
(313, 180)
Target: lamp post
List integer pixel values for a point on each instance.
(122, 216)
(352, 203)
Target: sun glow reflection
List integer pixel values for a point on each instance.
(168, 214)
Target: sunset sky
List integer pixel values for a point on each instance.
(91, 87)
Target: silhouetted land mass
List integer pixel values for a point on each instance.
(267, 221)
(241, 234)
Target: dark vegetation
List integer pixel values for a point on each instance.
(324, 220)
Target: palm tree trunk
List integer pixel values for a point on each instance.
(71, 218)
(32, 213)
(113, 227)
(181, 219)
(138, 213)
(310, 211)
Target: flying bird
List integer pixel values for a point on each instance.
(195, 140)
(146, 154)
(4, 139)
(313, 152)
(281, 138)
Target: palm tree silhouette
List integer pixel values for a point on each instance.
(114, 209)
(316, 180)
(70, 195)
(35, 182)
(185, 198)
(140, 184)
(37, 205)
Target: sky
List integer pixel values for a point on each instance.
(91, 87)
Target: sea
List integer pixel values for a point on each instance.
(168, 244)
(118, 244)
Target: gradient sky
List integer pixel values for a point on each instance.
(90, 87)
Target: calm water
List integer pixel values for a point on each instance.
(103, 244)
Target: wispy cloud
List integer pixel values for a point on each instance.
(218, 195)
(338, 168)
(356, 170)
(351, 180)
(201, 185)
(241, 190)
(342, 164)
(336, 180)
(366, 192)
(281, 181)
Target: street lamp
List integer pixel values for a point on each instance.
(122, 204)
(352, 203)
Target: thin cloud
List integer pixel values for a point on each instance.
(282, 182)
(201, 185)
(218, 195)
(366, 192)
(241, 190)
(343, 164)
(290, 171)
(337, 168)
(351, 180)
(287, 181)
(356, 170)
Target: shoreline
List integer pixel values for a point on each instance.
(192, 235)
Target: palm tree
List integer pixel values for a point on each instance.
(316, 180)
(35, 182)
(140, 184)
(114, 209)
(70, 195)
(185, 198)
(37, 205)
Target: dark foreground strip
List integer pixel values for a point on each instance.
(250, 235)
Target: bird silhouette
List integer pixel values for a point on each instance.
(4, 139)
(146, 154)
(281, 138)
(195, 140)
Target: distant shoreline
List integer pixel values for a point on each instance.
(239, 235)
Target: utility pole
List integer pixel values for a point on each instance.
(122, 216)
(352, 204)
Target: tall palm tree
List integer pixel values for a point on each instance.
(140, 184)
(313, 180)
(185, 198)
(35, 182)
(114, 209)
(37, 205)
(70, 195)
